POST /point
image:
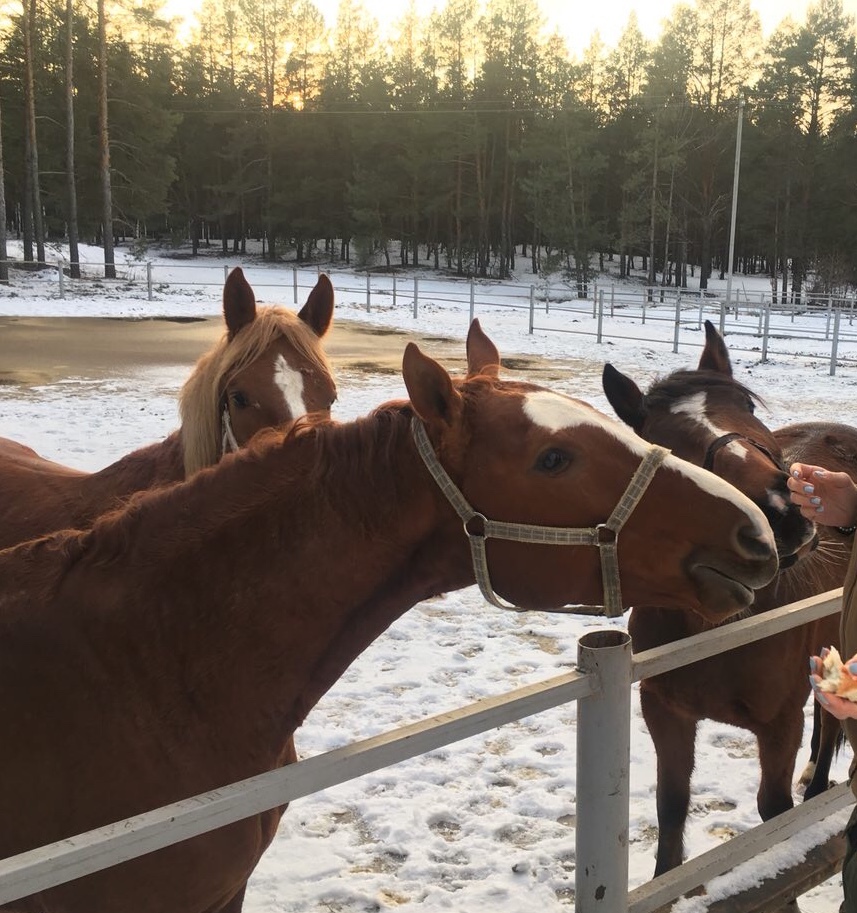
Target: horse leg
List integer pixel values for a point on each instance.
(814, 742)
(778, 746)
(674, 737)
(831, 732)
(234, 904)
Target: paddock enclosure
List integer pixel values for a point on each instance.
(513, 764)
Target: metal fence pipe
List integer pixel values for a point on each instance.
(835, 344)
(532, 307)
(677, 323)
(603, 774)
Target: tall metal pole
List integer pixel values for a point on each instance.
(734, 215)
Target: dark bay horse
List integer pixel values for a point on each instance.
(268, 367)
(177, 645)
(708, 417)
(834, 445)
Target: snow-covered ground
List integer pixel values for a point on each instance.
(486, 823)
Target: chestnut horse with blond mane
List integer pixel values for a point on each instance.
(268, 368)
(177, 645)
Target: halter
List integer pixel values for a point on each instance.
(228, 441)
(724, 439)
(604, 536)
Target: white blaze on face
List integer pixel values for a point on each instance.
(695, 408)
(556, 413)
(291, 382)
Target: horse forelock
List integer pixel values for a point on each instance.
(200, 400)
(665, 391)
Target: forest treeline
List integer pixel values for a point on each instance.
(461, 141)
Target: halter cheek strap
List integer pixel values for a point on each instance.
(605, 536)
(228, 441)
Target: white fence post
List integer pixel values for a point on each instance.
(225, 271)
(600, 315)
(835, 345)
(416, 296)
(677, 322)
(61, 278)
(532, 307)
(368, 293)
(149, 280)
(295, 283)
(603, 774)
(765, 333)
(394, 292)
(472, 300)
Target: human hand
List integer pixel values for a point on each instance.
(840, 707)
(823, 496)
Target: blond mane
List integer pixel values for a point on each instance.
(200, 400)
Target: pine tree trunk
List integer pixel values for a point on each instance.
(73, 251)
(104, 149)
(29, 10)
(4, 264)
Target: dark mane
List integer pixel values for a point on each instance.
(682, 383)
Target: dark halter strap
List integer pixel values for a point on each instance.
(720, 442)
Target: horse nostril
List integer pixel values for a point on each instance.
(755, 543)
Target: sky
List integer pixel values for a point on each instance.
(486, 824)
(578, 20)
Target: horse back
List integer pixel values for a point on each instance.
(829, 444)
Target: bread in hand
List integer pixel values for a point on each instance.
(835, 677)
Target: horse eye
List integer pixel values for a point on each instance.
(552, 460)
(751, 406)
(238, 399)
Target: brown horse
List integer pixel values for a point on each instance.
(707, 417)
(268, 368)
(177, 645)
(833, 445)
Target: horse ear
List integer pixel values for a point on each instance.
(624, 396)
(482, 354)
(317, 313)
(715, 355)
(239, 302)
(430, 388)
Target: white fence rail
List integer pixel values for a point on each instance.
(602, 685)
(757, 323)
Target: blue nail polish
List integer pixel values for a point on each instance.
(815, 500)
(811, 666)
(796, 473)
(808, 489)
(819, 695)
(819, 510)
(852, 668)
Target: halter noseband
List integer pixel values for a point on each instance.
(724, 439)
(604, 536)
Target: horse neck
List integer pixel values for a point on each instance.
(260, 620)
(146, 468)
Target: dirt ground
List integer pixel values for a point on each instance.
(45, 350)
